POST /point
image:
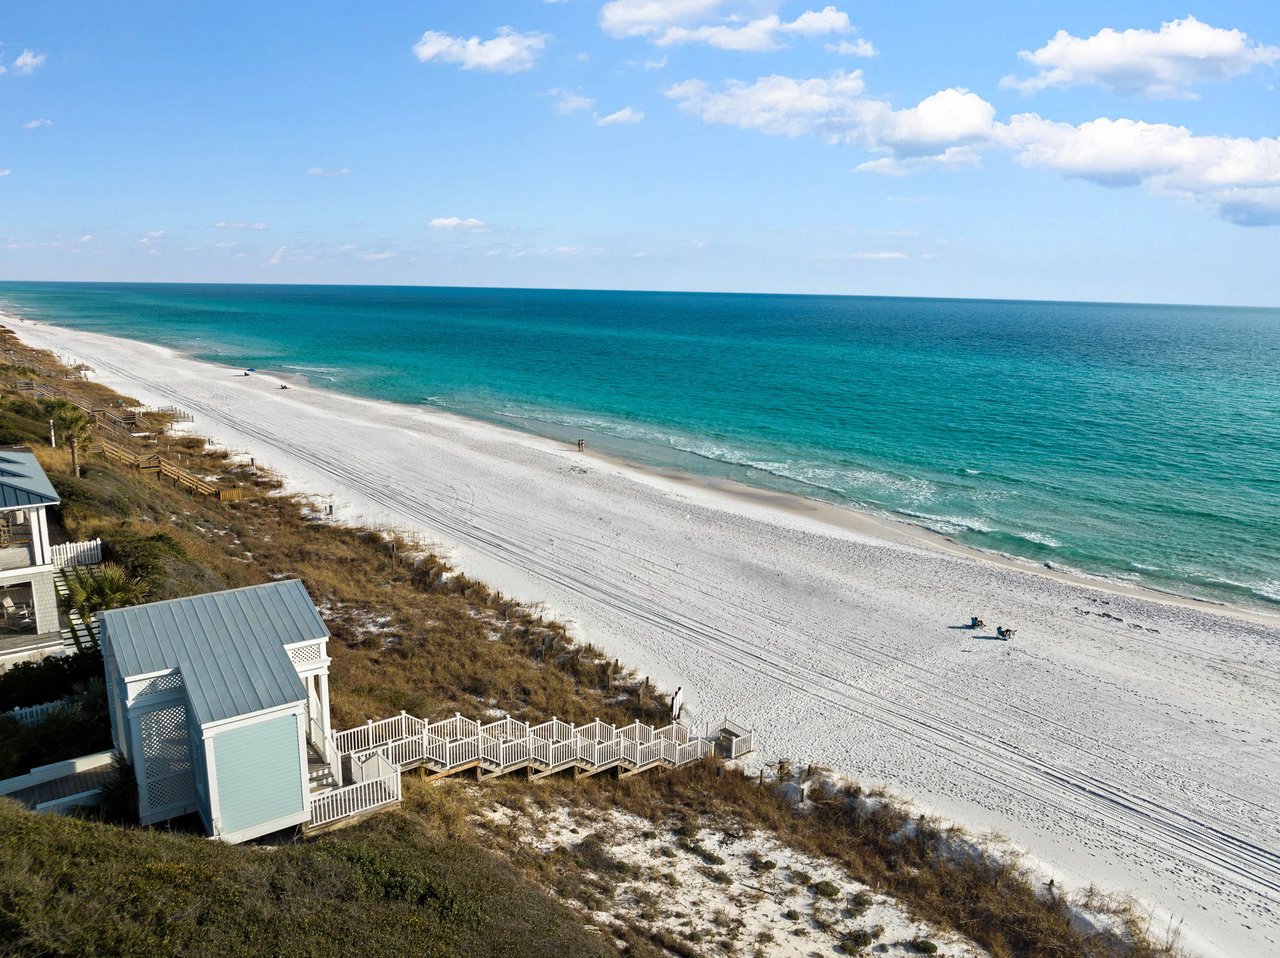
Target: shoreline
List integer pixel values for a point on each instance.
(848, 518)
(1126, 736)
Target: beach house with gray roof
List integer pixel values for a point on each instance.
(221, 703)
(28, 603)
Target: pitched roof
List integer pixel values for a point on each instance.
(22, 481)
(228, 645)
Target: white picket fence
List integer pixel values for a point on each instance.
(35, 714)
(70, 554)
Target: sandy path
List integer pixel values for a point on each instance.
(1131, 743)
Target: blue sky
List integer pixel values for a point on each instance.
(1113, 151)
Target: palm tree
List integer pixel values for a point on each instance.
(109, 586)
(77, 430)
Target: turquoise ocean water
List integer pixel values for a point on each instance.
(1140, 442)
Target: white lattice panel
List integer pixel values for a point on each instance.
(173, 790)
(165, 747)
(306, 654)
(163, 683)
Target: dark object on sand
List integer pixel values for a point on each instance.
(1003, 633)
(976, 623)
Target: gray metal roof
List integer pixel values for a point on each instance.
(229, 645)
(22, 481)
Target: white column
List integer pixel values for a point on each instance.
(40, 537)
(324, 705)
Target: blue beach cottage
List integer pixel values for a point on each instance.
(221, 703)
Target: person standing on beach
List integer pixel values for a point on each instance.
(582, 444)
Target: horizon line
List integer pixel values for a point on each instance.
(593, 289)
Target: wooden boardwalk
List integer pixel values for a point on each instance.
(373, 756)
(170, 470)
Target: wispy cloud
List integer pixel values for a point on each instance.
(238, 225)
(36, 124)
(878, 256)
(569, 102)
(5, 172)
(377, 256)
(627, 115)
(853, 48)
(27, 62)
(672, 22)
(508, 52)
(321, 171)
(152, 236)
(457, 223)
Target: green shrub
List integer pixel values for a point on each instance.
(826, 889)
(51, 679)
(854, 942)
(859, 903)
(791, 914)
(80, 729)
(923, 946)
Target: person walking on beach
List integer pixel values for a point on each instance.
(582, 444)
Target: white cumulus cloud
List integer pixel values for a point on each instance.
(626, 115)
(5, 172)
(27, 62)
(36, 124)
(508, 52)
(321, 171)
(152, 236)
(452, 223)
(1162, 63)
(1238, 177)
(835, 109)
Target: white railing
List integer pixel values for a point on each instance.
(70, 554)
(505, 745)
(355, 799)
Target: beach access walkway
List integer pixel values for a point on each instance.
(372, 757)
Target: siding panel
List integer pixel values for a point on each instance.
(259, 773)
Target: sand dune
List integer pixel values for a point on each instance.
(1123, 741)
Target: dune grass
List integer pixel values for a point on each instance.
(389, 886)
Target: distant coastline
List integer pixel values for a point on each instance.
(1080, 501)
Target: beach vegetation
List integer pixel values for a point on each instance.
(34, 683)
(80, 726)
(91, 590)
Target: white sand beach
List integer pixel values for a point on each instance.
(1123, 741)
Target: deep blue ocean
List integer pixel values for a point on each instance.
(1139, 442)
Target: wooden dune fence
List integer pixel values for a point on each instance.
(163, 467)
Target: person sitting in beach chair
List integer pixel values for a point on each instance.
(1003, 633)
(976, 623)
